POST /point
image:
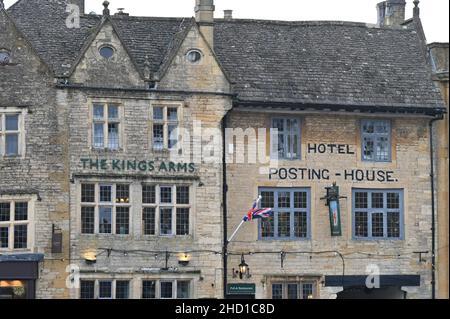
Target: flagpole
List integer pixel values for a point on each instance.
(235, 232)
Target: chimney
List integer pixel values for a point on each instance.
(228, 14)
(204, 15)
(391, 12)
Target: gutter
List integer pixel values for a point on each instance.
(224, 206)
(433, 210)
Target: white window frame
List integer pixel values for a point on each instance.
(165, 122)
(97, 204)
(299, 282)
(11, 223)
(21, 131)
(173, 205)
(105, 121)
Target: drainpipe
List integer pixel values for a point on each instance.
(224, 200)
(433, 208)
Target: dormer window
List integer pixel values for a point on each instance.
(107, 52)
(194, 56)
(5, 57)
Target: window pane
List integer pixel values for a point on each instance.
(182, 194)
(122, 220)
(301, 224)
(166, 221)
(98, 112)
(300, 200)
(20, 236)
(393, 200)
(122, 289)
(158, 136)
(284, 200)
(88, 193)
(98, 135)
(267, 200)
(368, 127)
(12, 144)
(182, 221)
(122, 194)
(21, 211)
(87, 289)
(113, 112)
(148, 194)
(377, 200)
(87, 220)
(173, 135)
(307, 291)
(382, 149)
(148, 219)
(166, 289)
(284, 224)
(368, 148)
(361, 228)
(105, 193)
(279, 132)
(4, 237)
(277, 291)
(105, 289)
(166, 195)
(148, 289)
(158, 113)
(12, 122)
(381, 127)
(183, 289)
(172, 114)
(292, 291)
(105, 219)
(295, 137)
(361, 200)
(5, 209)
(113, 136)
(393, 225)
(268, 227)
(377, 225)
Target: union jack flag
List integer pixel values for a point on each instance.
(255, 212)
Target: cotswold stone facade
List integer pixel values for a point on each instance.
(132, 147)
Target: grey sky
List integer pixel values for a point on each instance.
(434, 13)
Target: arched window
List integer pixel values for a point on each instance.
(5, 57)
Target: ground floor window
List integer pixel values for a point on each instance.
(166, 289)
(104, 289)
(14, 225)
(15, 289)
(294, 290)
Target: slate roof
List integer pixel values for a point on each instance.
(336, 63)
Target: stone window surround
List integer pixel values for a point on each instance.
(91, 120)
(285, 280)
(166, 105)
(30, 199)
(136, 283)
(136, 207)
(284, 117)
(113, 286)
(22, 132)
(389, 125)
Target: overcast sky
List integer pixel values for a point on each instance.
(434, 13)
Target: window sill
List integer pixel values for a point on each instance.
(107, 150)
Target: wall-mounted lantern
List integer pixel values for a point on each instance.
(184, 260)
(90, 258)
(244, 270)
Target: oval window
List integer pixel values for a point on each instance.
(194, 56)
(107, 52)
(5, 57)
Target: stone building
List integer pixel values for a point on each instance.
(131, 148)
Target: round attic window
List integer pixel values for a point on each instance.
(194, 56)
(107, 52)
(5, 57)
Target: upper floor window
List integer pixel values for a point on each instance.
(294, 290)
(165, 127)
(106, 52)
(14, 225)
(377, 214)
(285, 138)
(166, 210)
(106, 126)
(105, 209)
(10, 134)
(291, 217)
(166, 289)
(376, 140)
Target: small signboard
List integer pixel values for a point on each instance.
(241, 289)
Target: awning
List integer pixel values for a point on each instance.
(385, 281)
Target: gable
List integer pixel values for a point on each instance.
(205, 75)
(93, 69)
